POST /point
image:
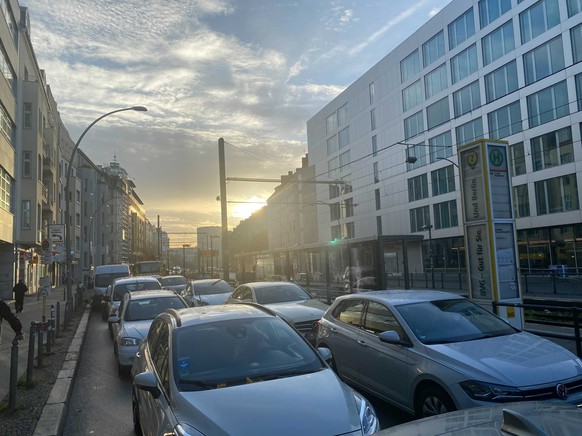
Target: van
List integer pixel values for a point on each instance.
(103, 275)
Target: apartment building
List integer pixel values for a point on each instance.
(497, 69)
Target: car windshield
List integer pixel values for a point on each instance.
(211, 288)
(455, 320)
(280, 294)
(144, 309)
(121, 289)
(104, 280)
(173, 281)
(233, 352)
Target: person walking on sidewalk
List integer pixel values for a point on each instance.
(19, 290)
(6, 314)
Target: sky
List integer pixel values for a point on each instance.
(250, 71)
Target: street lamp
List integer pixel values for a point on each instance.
(212, 256)
(184, 246)
(69, 255)
(429, 228)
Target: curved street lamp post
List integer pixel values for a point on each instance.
(69, 254)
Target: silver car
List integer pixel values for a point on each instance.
(136, 313)
(289, 300)
(207, 292)
(176, 283)
(430, 352)
(239, 370)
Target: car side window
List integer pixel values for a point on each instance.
(350, 312)
(244, 294)
(160, 356)
(380, 319)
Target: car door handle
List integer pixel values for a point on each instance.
(362, 343)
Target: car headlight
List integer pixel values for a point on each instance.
(368, 418)
(491, 392)
(129, 341)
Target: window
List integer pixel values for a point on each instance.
(579, 90)
(377, 198)
(466, 99)
(334, 212)
(548, 104)
(342, 115)
(345, 161)
(556, 195)
(435, 81)
(374, 146)
(411, 96)
(332, 146)
(538, 18)
(464, 64)
(574, 7)
(5, 190)
(409, 66)
(373, 119)
(379, 225)
(334, 191)
(443, 180)
(26, 215)
(376, 173)
(461, 29)
(517, 154)
(469, 132)
(336, 232)
(7, 70)
(349, 206)
(445, 215)
(505, 121)
(418, 188)
(344, 137)
(350, 312)
(6, 125)
(26, 164)
(350, 230)
(331, 123)
(576, 37)
(521, 201)
(438, 113)
(27, 118)
(413, 125)
(372, 92)
(552, 149)
(418, 218)
(543, 60)
(78, 219)
(332, 168)
(501, 82)
(379, 319)
(498, 43)
(490, 10)
(433, 49)
(419, 152)
(441, 146)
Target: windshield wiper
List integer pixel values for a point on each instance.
(200, 383)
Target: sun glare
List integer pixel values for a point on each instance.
(244, 210)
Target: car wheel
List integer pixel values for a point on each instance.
(135, 412)
(432, 401)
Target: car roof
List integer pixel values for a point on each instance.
(397, 297)
(203, 314)
(135, 279)
(206, 281)
(173, 276)
(265, 284)
(142, 295)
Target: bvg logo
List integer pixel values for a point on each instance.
(496, 157)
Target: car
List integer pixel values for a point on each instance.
(288, 299)
(136, 312)
(119, 288)
(430, 352)
(176, 283)
(524, 418)
(206, 292)
(239, 370)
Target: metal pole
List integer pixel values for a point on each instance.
(30, 361)
(13, 375)
(223, 211)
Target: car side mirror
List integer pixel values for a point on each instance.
(146, 381)
(391, 337)
(325, 354)
(113, 319)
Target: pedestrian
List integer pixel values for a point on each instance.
(6, 314)
(19, 290)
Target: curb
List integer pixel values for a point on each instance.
(55, 410)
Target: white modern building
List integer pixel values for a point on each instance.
(498, 69)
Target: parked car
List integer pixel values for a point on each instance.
(524, 418)
(239, 370)
(431, 352)
(103, 276)
(176, 283)
(290, 300)
(119, 288)
(136, 313)
(207, 292)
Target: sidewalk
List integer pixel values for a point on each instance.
(33, 311)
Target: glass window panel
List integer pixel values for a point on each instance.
(466, 99)
(438, 113)
(464, 64)
(538, 18)
(521, 201)
(413, 125)
(544, 60)
(505, 121)
(574, 7)
(443, 180)
(332, 145)
(548, 104)
(342, 115)
(433, 49)
(445, 215)
(576, 37)
(409, 66)
(518, 158)
(501, 81)
(411, 96)
(469, 132)
(418, 188)
(419, 217)
(490, 10)
(552, 149)
(498, 43)
(461, 29)
(344, 137)
(419, 151)
(441, 146)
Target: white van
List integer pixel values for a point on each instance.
(103, 275)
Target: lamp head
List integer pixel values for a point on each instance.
(139, 108)
(411, 159)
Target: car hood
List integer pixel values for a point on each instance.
(136, 329)
(520, 360)
(300, 310)
(317, 403)
(213, 299)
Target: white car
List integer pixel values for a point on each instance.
(431, 352)
(136, 313)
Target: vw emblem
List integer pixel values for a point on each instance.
(561, 391)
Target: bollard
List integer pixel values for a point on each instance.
(39, 348)
(58, 317)
(30, 352)
(49, 339)
(44, 305)
(13, 375)
(52, 324)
